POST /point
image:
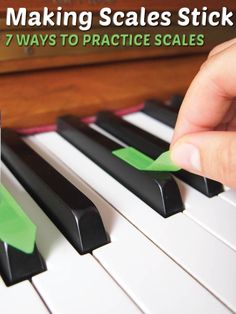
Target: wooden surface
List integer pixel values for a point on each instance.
(96, 56)
(37, 98)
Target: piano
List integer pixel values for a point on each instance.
(110, 238)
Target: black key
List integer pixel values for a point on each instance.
(16, 266)
(160, 191)
(130, 134)
(160, 112)
(152, 147)
(176, 102)
(71, 211)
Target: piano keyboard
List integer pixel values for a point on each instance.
(185, 263)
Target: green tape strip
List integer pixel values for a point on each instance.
(140, 161)
(16, 229)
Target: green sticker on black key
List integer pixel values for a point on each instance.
(141, 161)
(16, 229)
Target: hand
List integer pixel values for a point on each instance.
(204, 140)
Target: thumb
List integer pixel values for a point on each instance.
(210, 154)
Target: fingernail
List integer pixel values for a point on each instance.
(186, 156)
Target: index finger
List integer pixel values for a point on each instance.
(209, 96)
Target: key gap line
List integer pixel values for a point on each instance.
(40, 296)
(117, 283)
(210, 231)
(197, 221)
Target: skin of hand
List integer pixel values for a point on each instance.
(204, 140)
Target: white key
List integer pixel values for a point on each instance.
(229, 196)
(139, 267)
(150, 125)
(206, 258)
(20, 298)
(214, 214)
(73, 283)
(104, 132)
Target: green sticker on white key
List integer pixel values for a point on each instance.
(16, 229)
(142, 162)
